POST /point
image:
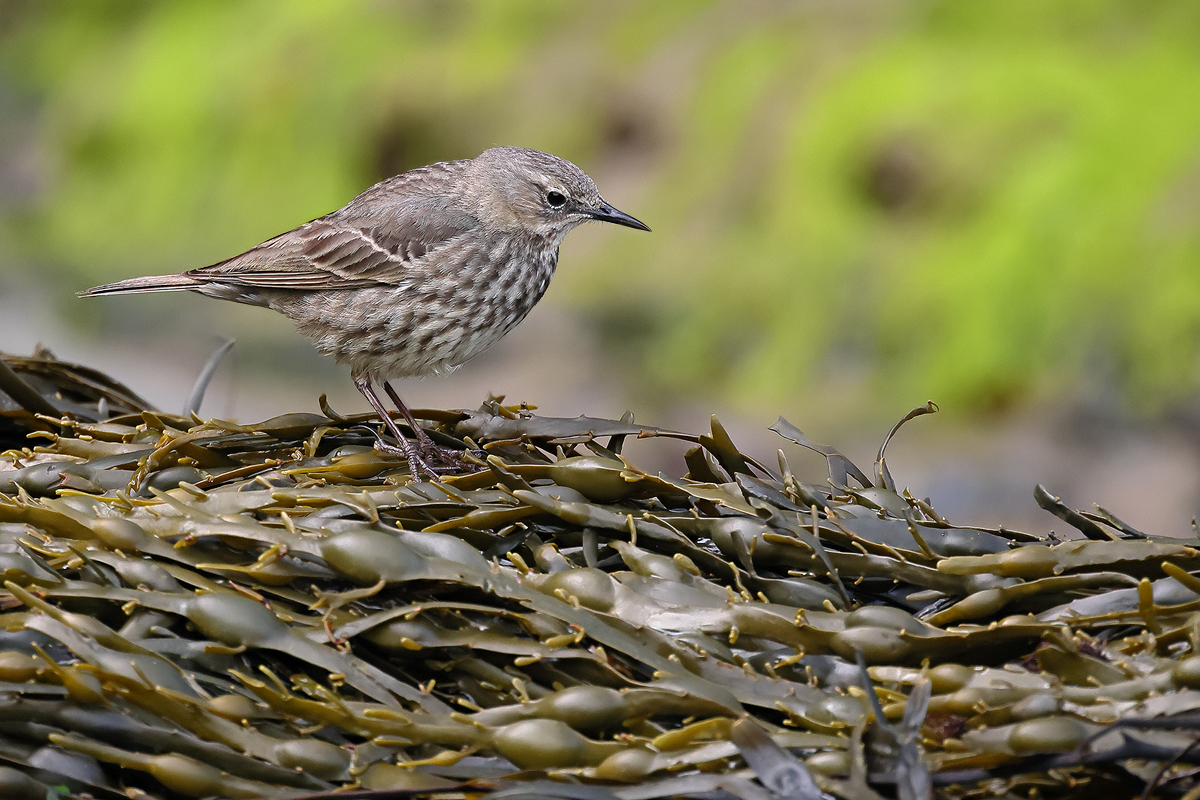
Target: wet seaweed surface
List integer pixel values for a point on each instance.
(198, 608)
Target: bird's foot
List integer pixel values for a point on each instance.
(419, 466)
(430, 450)
(425, 457)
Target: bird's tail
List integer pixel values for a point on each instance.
(152, 283)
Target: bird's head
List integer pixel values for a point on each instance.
(516, 189)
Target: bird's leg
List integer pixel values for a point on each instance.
(416, 465)
(425, 446)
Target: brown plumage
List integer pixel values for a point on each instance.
(417, 274)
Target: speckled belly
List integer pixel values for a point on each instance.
(428, 323)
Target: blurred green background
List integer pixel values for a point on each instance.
(857, 206)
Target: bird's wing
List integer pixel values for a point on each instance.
(371, 242)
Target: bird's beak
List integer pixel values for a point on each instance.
(607, 213)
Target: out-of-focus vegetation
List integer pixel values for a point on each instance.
(979, 202)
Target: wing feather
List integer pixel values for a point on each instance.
(373, 241)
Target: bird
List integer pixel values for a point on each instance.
(416, 275)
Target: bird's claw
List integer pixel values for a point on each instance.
(435, 452)
(417, 465)
(423, 455)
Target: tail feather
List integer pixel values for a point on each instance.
(151, 283)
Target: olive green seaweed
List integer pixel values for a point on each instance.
(201, 608)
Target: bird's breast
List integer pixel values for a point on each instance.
(448, 308)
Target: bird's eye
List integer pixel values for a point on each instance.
(556, 199)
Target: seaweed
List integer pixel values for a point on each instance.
(203, 608)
